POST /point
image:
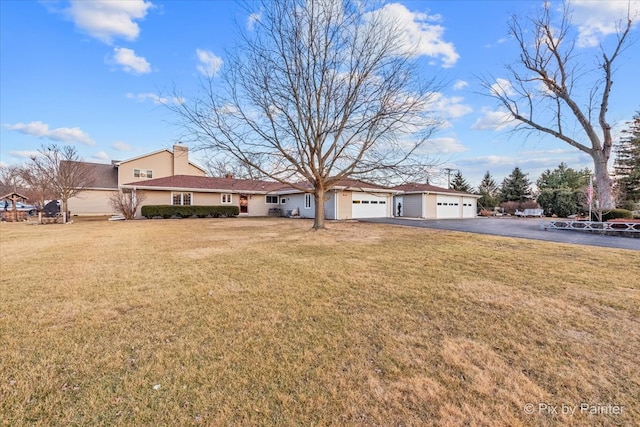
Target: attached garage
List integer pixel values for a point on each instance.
(431, 202)
(369, 205)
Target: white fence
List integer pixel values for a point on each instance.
(628, 227)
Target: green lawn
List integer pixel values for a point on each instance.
(262, 322)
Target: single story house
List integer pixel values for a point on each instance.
(349, 199)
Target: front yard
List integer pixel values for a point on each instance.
(261, 322)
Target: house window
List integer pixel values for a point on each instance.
(272, 200)
(283, 201)
(226, 199)
(181, 199)
(356, 202)
(142, 173)
(307, 201)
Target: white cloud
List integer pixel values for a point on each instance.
(419, 34)
(498, 42)
(450, 107)
(25, 154)
(156, 99)
(210, 63)
(100, 155)
(502, 87)
(494, 120)
(121, 146)
(597, 19)
(446, 145)
(252, 19)
(41, 130)
(130, 62)
(460, 84)
(108, 19)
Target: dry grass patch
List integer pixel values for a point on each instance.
(260, 322)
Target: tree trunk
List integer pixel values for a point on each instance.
(63, 206)
(604, 183)
(318, 222)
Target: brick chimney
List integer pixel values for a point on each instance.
(180, 159)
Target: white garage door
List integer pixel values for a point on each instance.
(469, 208)
(449, 207)
(365, 205)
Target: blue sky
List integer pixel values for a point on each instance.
(89, 74)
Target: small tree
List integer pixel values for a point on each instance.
(489, 191)
(127, 202)
(561, 190)
(63, 169)
(459, 183)
(39, 186)
(11, 180)
(516, 187)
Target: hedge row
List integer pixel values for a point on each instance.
(613, 214)
(168, 211)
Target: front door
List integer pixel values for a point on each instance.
(244, 204)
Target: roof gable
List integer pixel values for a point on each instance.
(155, 153)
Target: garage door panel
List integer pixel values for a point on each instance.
(369, 206)
(448, 207)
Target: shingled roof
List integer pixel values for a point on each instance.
(208, 184)
(414, 187)
(103, 176)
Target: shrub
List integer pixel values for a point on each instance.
(615, 214)
(167, 211)
(510, 207)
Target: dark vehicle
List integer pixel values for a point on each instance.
(52, 208)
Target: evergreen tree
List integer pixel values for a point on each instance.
(516, 187)
(459, 183)
(562, 190)
(563, 177)
(488, 189)
(627, 163)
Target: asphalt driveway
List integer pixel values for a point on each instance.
(526, 228)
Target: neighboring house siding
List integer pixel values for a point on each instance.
(91, 202)
(412, 205)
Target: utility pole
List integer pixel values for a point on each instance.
(449, 170)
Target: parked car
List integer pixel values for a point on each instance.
(52, 208)
(31, 210)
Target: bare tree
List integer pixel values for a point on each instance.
(546, 90)
(224, 166)
(126, 202)
(39, 188)
(321, 90)
(63, 168)
(11, 180)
